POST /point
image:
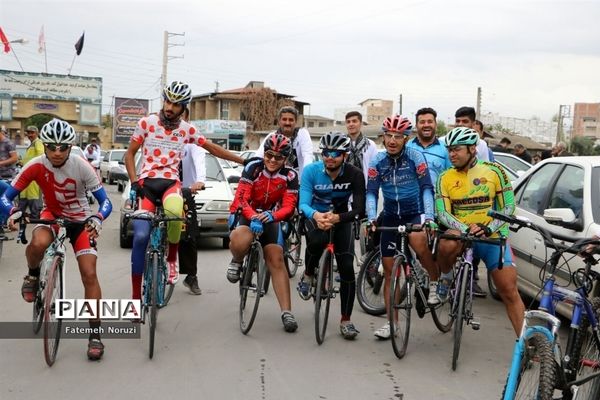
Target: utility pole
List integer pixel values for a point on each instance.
(400, 105)
(166, 57)
(216, 86)
(564, 111)
(478, 109)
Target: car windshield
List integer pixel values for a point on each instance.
(213, 169)
(225, 163)
(117, 155)
(514, 163)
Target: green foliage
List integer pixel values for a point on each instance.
(582, 146)
(441, 129)
(38, 120)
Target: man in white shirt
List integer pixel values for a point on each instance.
(362, 149)
(465, 116)
(193, 176)
(92, 153)
(302, 147)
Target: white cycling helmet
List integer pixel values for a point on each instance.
(178, 93)
(58, 132)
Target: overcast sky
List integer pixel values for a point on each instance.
(528, 56)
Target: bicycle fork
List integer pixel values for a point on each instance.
(527, 331)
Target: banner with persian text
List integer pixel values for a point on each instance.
(127, 114)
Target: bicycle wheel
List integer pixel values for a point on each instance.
(293, 245)
(537, 374)
(52, 326)
(459, 312)
(323, 294)
(251, 286)
(401, 292)
(38, 311)
(586, 356)
(442, 314)
(153, 305)
(169, 288)
(370, 284)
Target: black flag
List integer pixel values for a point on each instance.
(79, 44)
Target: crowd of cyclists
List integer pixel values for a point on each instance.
(443, 183)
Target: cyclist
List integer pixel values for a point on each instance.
(63, 181)
(327, 185)
(162, 138)
(464, 194)
(267, 194)
(302, 148)
(403, 176)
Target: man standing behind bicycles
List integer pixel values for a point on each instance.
(266, 185)
(327, 185)
(162, 137)
(464, 195)
(63, 181)
(403, 176)
(302, 148)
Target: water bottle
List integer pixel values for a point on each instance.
(444, 284)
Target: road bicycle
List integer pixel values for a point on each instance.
(252, 284)
(369, 283)
(539, 367)
(292, 245)
(461, 287)
(51, 286)
(408, 288)
(156, 292)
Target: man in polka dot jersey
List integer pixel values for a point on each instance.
(161, 138)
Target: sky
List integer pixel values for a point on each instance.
(528, 56)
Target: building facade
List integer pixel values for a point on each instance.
(586, 120)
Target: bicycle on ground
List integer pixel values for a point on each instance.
(156, 292)
(51, 286)
(539, 368)
(408, 289)
(460, 293)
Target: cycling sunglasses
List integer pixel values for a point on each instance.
(331, 153)
(271, 155)
(61, 147)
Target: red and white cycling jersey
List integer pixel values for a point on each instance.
(63, 188)
(162, 148)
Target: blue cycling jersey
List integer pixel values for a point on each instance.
(318, 192)
(436, 155)
(405, 183)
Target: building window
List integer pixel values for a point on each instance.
(321, 124)
(224, 109)
(589, 119)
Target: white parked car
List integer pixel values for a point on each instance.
(212, 206)
(513, 162)
(111, 160)
(232, 171)
(566, 186)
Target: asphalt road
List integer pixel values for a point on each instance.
(201, 353)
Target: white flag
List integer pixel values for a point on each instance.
(42, 41)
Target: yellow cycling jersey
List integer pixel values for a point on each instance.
(465, 197)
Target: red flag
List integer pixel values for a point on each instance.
(79, 44)
(42, 41)
(5, 41)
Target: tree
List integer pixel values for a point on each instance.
(582, 146)
(441, 129)
(260, 107)
(38, 120)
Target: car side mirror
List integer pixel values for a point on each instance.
(121, 162)
(233, 179)
(564, 217)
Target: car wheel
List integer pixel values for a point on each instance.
(225, 242)
(109, 179)
(102, 177)
(120, 187)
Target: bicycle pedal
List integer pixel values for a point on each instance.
(335, 290)
(475, 325)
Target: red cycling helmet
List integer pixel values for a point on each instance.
(397, 123)
(279, 144)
